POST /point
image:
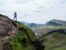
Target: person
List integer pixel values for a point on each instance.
(15, 16)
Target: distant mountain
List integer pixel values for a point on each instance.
(49, 26)
(56, 22)
(50, 23)
(32, 25)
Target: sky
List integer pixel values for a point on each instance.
(34, 11)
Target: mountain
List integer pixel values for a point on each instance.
(25, 39)
(56, 22)
(52, 22)
(17, 36)
(32, 25)
(49, 26)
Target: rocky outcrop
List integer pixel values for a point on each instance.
(8, 28)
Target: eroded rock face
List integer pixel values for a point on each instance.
(7, 26)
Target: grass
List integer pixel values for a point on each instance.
(21, 39)
(55, 41)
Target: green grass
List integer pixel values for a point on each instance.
(49, 27)
(21, 39)
(54, 41)
(64, 48)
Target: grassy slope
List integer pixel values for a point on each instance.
(20, 41)
(54, 41)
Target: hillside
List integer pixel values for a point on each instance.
(32, 25)
(25, 40)
(16, 36)
(8, 28)
(54, 40)
(55, 22)
(49, 26)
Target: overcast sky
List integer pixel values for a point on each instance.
(36, 11)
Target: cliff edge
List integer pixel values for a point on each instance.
(8, 28)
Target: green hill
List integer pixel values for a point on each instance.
(17, 36)
(21, 40)
(55, 22)
(54, 40)
(24, 40)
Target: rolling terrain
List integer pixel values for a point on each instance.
(54, 40)
(49, 26)
(17, 36)
(52, 34)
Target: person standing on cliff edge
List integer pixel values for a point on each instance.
(15, 19)
(15, 16)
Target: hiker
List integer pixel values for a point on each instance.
(15, 16)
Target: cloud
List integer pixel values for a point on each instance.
(23, 1)
(38, 11)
